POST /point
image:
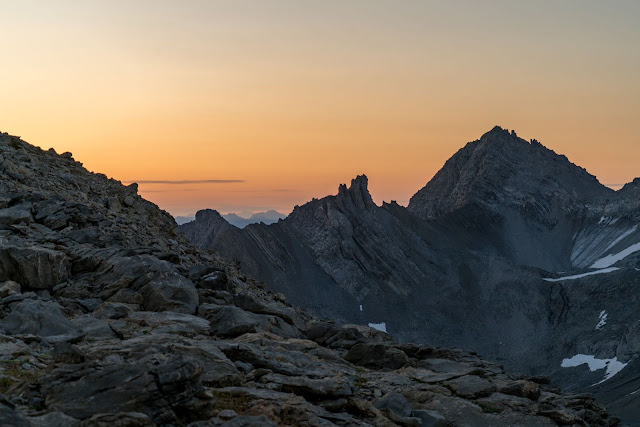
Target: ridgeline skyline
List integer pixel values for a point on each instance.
(257, 106)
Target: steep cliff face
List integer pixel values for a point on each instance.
(475, 261)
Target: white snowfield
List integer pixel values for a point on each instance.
(603, 320)
(579, 276)
(379, 326)
(610, 260)
(612, 365)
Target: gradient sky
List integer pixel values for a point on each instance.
(292, 98)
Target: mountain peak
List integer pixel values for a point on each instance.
(495, 132)
(504, 138)
(500, 168)
(358, 192)
(208, 215)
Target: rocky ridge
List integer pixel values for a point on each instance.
(104, 301)
(511, 251)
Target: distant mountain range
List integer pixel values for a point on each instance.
(510, 250)
(268, 217)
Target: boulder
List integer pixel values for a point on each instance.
(187, 322)
(522, 388)
(9, 288)
(33, 267)
(157, 386)
(333, 388)
(15, 215)
(169, 292)
(231, 321)
(429, 418)
(64, 352)
(216, 280)
(42, 318)
(471, 387)
(396, 403)
(375, 355)
(9, 417)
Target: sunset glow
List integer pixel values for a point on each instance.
(275, 102)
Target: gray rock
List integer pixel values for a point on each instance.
(254, 305)
(471, 387)
(227, 414)
(396, 403)
(93, 329)
(67, 353)
(33, 267)
(170, 292)
(522, 388)
(429, 418)
(54, 419)
(560, 416)
(157, 390)
(9, 417)
(377, 356)
(113, 310)
(19, 214)
(190, 323)
(9, 288)
(230, 321)
(326, 387)
(121, 419)
(38, 318)
(216, 280)
(250, 421)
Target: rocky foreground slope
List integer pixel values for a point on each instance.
(510, 250)
(109, 317)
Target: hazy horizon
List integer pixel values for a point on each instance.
(252, 106)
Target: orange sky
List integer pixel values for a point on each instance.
(293, 98)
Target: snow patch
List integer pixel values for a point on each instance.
(603, 320)
(379, 326)
(610, 260)
(621, 237)
(360, 307)
(602, 219)
(579, 276)
(612, 365)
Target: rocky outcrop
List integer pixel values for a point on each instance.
(121, 311)
(510, 250)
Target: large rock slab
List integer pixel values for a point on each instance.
(170, 292)
(42, 318)
(19, 214)
(148, 281)
(471, 387)
(33, 267)
(231, 321)
(158, 387)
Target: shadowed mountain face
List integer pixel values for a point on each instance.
(103, 300)
(465, 263)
